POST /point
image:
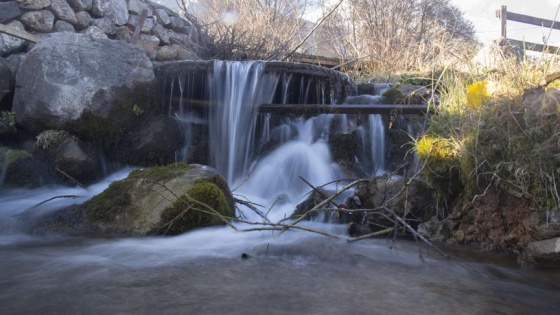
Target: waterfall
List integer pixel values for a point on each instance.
(236, 89)
(377, 144)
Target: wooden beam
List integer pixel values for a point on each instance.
(18, 33)
(299, 109)
(532, 46)
(521, 18)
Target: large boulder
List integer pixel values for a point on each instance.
(89, 86)
(543, 253)
(153, 201)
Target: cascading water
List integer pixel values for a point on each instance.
(202, 272)
(236, 89)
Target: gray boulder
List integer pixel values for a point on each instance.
(153, 201)
(63, 11)
(543, 253)
(39, 21)
(84, 85)
(9, 11)
(158, 142)
(76, 161)
(11, 44)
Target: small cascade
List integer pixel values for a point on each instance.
(236, 90)
(377, 144)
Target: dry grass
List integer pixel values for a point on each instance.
(508, 141)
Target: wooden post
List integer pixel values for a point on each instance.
(139, 26)
(503, 16)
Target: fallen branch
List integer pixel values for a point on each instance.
(413, 231)
(370, 235)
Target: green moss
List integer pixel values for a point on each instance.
(159, 173)
(50, 138)
(11, 156)
(442, 169)
(9, 118)
(105, 206)
(188, 211)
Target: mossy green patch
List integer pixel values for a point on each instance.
(195, 209)
(160, 173)
(106, 206)
(11, 156)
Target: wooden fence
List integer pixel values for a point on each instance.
(504, 15)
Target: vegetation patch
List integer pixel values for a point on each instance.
(203, 205)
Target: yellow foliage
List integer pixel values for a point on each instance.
(478, 92)
(434, 147)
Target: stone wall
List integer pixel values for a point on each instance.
(164, 35)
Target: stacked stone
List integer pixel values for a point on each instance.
(164, 35)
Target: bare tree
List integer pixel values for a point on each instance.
(401, 35)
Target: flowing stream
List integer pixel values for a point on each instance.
(220, 271)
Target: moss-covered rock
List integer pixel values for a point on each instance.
(18, 169)
(160, 200)
(344, 148)
(73, 159)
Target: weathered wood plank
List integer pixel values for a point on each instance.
(521, 18)
(139, 26)
(299, 109)
(18, 33)
(532, 46)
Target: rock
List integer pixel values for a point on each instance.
(101, 8)
(120, 11)
(73, 159)
(7, 124)
(124, 33)
(63, 26)
(153, 201)
(156, 143)
(149, 23)
(80, 5)
(344, 148)
(366, 88)
(84, 20)
(38, 21)
(6, 82)
(162, 33)
(9, 11)
(21, 170)
(541, 100)
(63, 11)
(179, 25)
(416, 203)
(135, 7)
(11, 44)
(185, 54)
(84, 85)
(34, 4)
(106, 25)
(162, 17)
(150, 44)
(365, 99)
(543, 253)
(408, 94)
(166, 53)
(95, 32)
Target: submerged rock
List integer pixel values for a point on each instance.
(153, 201)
